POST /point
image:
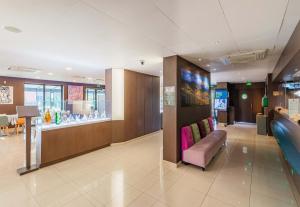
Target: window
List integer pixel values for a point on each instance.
(53, 97)
(34, 95)
(96, 97)
(43, 96)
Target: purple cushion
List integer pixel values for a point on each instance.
(186, 138)
(202, 129)
(211, 124)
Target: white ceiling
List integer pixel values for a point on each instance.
(92, 35)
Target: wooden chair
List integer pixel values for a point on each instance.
(19, 123)
(4, 124)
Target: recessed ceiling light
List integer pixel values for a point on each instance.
(12, 29)
(68, 68)
(214, 69)
(50, 73)
(208, 65)
(199, 59)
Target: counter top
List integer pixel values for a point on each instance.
(47, 127)
(284, 112)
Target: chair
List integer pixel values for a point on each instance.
(19, 123)
(4, 124)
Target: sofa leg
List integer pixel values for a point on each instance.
(203, 169)
(185, 163)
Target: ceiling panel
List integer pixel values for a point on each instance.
(255, 24)
(91, 35)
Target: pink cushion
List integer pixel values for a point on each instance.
(211, 124)
(186, 138)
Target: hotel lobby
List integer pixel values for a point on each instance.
(150, 103)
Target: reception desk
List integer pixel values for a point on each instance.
(56, 143)
(286, 130)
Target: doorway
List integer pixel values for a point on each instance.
(249, 104)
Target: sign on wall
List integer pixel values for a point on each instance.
(6, 94)
(169, 96)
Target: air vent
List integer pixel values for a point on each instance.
(246, 57)
(23, 69)
(79, 77)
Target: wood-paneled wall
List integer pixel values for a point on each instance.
(246, 110)
(141, 106)
(175, 117)
(289, 59)
(18, 84)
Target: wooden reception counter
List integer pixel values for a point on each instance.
(60, 142)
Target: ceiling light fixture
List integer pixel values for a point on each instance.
(208, 65)
(12, 29)
(199, 59)
(68, 68)
(50, 74)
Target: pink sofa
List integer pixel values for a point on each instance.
(201, 152)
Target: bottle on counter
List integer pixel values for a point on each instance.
(57, 118)
(47, 117)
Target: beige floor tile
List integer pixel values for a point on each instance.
(124, 198)
(159, 188)
(80, 201)
(212, 202)
(249, 168)
(260, 200)
(57, 196)
(182, 196)
(236, 193)
(143, 200)
(160, 204)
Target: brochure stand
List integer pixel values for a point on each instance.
(27, 112)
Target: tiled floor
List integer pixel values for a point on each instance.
(248, 172)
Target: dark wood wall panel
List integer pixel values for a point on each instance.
(141, 114)
(156, 119)
(140, 101)
(148, 105)
(246, 110)
(65, 143)
(170, 132)
(291, 51)
(174, 117)
(130, 102)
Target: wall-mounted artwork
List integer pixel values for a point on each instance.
(194, 87)
(6, 94)
(75, 93)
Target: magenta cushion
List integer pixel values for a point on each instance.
(211, 124)
(186, 138)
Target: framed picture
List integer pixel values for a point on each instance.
(194, 88)
(75, 93)
(6, 95)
